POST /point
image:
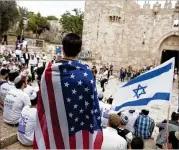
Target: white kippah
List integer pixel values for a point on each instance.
(17, 79)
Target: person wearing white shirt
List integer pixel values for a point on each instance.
(29, 90)
(111, 139)
(26, 125)
(122, 131)
(24, 44)
(132, 116)
(105, 110)
(33, 63)
(18, 53)
(4, 89)
(2, 48)
(15, 101)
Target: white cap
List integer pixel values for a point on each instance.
(17, 79)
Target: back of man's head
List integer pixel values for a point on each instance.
(71, 45)
(19, 81)
(100, 96)
(113, 121)
(174, 116)
(145, 112)
(13, 75)
(137, 143)
(4, 72)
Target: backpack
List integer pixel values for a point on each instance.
(123, 132)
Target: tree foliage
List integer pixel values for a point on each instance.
(37, 23)
(8, 15)
(52, 18)
(72, 22)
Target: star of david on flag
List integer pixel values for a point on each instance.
(154, 85)
(139, 91)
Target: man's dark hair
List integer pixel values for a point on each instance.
(4, 72)
(34, 102)
(174, 116)
(145, 112)
(137, 143)
(172, 139)
(72, 44)
(13, 75)
(20, 83)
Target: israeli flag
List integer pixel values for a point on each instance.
(152, 86)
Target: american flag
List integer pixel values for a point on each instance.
(68, 114)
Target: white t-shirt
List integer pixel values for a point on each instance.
(14, 102)
(105, 111)
(112, 141)
(29, 90)
(26, 126)
(24, 44)
(26, 56)
(2, 49)
(44, 59)
(132, 118)
(4, 89)
(18, 52)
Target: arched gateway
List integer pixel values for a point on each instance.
(170, 48)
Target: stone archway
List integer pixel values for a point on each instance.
(170, 48)
(160, 41)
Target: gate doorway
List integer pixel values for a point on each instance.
(168, 54)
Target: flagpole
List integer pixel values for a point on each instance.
(169, 108)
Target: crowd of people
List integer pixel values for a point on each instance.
(131, 125)
(18, 99)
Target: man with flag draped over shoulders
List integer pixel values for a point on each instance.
(68, 115)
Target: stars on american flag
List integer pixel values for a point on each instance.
(85, 74)
(80, 82)
(92, 96)
(86, 103)
(72, 76)
(87, 67)
(72, 128)
(91, 81)
(86, 89)
(87, 117)
(91, 126)
(81, 111)
(82, 123)
(70, 62)
(74, 91)
(65, 70)
(68, 100)
(75, 106)
(70, 115)
(77, 68)
(66, 84)
(80, 97)
(76, 119)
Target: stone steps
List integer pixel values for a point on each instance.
(8, 133)
(17, 145)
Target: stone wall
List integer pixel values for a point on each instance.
(133, 40)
